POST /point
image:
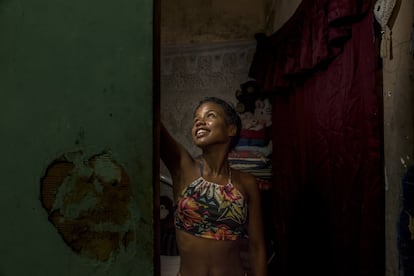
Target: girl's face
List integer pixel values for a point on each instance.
(210, 126)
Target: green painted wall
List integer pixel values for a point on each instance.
(75, 76)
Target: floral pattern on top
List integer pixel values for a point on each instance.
(209, 210)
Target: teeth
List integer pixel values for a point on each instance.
(201, 132)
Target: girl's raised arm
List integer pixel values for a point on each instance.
(175, 157)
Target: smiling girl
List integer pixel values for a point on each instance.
(218, 208)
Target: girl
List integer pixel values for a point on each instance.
(218, 208)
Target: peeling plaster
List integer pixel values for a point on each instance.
(88, 200)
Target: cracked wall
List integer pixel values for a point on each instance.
(89, 202)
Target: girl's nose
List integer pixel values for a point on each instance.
(200, 122)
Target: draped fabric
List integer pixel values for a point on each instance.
(328, 198)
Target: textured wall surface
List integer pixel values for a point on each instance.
(89, 201)
(278, 12)
(186, 21)
(398, 98)
(189, 21)
(76, 88)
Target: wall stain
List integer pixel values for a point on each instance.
(81, 137)
(88, 200)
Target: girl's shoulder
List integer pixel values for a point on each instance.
(246, 182)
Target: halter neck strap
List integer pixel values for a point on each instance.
(201, 167)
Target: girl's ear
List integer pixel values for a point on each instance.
(232, 130)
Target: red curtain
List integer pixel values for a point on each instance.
(320, 70)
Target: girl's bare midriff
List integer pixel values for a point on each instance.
(206, 257)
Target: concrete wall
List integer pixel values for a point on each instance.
(189, 21)
(76, 138)
(278, 12)
(398, 95)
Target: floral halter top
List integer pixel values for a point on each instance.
(210, 210)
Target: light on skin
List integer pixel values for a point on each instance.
(210, 126)
(214, 135)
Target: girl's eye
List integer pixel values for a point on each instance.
(211, 115)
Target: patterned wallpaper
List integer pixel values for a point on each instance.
(191, 72)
